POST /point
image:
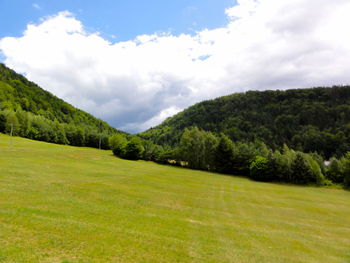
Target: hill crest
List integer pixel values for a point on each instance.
(315, 119)
(29, 111)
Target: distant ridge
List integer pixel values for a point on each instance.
(315, 119)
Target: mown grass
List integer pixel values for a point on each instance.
(67, 204)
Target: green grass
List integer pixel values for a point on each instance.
(66, 204)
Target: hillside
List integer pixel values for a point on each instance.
(70, 204)
(309, 120)
(35, 113)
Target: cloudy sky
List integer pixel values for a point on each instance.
(136, 63)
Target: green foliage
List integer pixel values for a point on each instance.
(278, 167)
(127, 148)
(309, 120)
(192, 148)
(203, 150)
(151, 150)
(197, 148)
(34, 113)
(166, 155)
(317, 176)
(244, 154)
(224, 155)
(259, 169)
(288, 166)
(133, 149)
(335, 171)
(320, 161)
(211, 142)
(117, 142)
(302, 172)
(11, 124)
(2, 121)
(346, 167)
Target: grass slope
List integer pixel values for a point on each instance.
(67, 204)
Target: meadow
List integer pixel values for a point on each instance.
(67, 204)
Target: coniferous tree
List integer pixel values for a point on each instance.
(224, 155)
(301, 170)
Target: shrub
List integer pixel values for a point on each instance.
(165, 155)
(259, 169)
(277, 166)
(117, 142)
(133, 149)
(302, 172)
(334, 171)
(151, 150)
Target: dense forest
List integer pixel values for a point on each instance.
(308, 120)
(29, 111)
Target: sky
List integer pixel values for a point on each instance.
(134, 63)
(118, 20)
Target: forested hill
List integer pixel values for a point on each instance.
(316, 119)
(31, 112)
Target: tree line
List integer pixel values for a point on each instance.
(28, 111)
(207, 151)
(36, 127)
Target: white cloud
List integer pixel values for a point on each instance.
(266, 44)
(164, 114)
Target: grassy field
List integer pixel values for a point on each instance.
(66, 204)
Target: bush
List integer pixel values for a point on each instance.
(117, 142)
(165, 155)
(334, 171)
(259, 169)
(133, 149)
(151, 150)
(278, 166)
